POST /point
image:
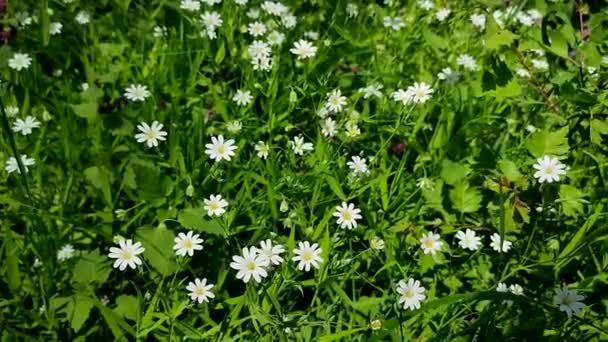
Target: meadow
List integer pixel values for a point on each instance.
(312, 170)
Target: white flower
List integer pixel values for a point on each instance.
(468, 240)
(377, 243)
(395, 24)
(549, 169)
(497, 246)
(328, 128)
(126, 254)
(11, 111)
(502, 287)
(605, 60)
(187, 244)
(420, 92)
(220, 149)
(516, 289)
(83, 17)
(521, 72)
(241, 2)
(25, 126)
(303, 49)
(479, 21)
(307, 255)
(540, 64)
(66, 252)
(276, 38)
(403, 96)
(259, 50)
(20, 61)
(150, 134)
(467, 62)
(312, 35)
(55, 28)
(410, 293)
(536, 16)
(137, 92)
(200, 291)
(274, 8)
(211, 20)
(23, 18)
(352, 130)
(234, 126)
(299, 146)
(524, 19)
(358, 165)
(352, 10)
(430, 243)
(12, 165)
(448, 75)
(159, 31)
(347, 215)
(426, 4)
(335, 101)
(253, 13)
(211, 2)
(371, 90)
(242, 98)
(190, 5)
(215, 205)
(289, 20)
(499, 18)
(443, 13)
(262, 149)
(569, 301)
(272, 253)
(250, 265)
(256, 29)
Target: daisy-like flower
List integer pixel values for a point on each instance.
(569, 301)
(259, 50)
(497, 246)
(468, 240)
(150, 134)
(190, 5)
(159, 31)
(187, 244)
(516, 289)
(328, 128)
(12, 165)
(442, 14)
(241, 2)
(137, 92)
(313, 35)
(271, 252)
(536, 16)
(276, 38)
(211, 20)
(425, 183)
(299, 146)
(448, 75)
(410, 293)
(403, 96)
(83, 18)
(200, 291)
(20, 61)
(430, 243)
(220, 149)
(358, 165)
(540, 64)
(420, 92)
(347, 215)
(521, 72)
(25, 126)
(262, 149)
(502, 287)
(215, 205)
(426, 5)
(234, 126)
(549, 169)
(250, 265)
(307, 255)
(11, 111)
(524, 19)
(467, 62)
(66, 252)
(256, 29)
(371, 90)
(126, 254)
(55, 28)
(289, 20)
(211, 2)
(274, 8)
(242, 97)
(479, 21)
(377, 243)
(335, 101)
(352, 10)
(303, 49)
(395, 24)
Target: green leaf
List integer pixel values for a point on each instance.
(158, 244)
(434, 197)
(85, 110)
(571, 200)
(509, 169)
(194, 218)
(11, 262)
(559, 45)
(221, 53)
(434, 40)
(335, 186)
(127, 306)
(452, 172)
(78, 310)
(465, 199)
(575, 241)
(551, 143)
(500, 38)
(598, 128)
(100, 178)
(91, 268)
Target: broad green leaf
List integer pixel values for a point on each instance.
(452, 172)
(91, 268)
(465, 199)
(500, 38)
(509, 169)
(335, 186)
(100, 178)
(571, 200)
(434, 40)
(78, 310)
(127, 306)
(158, 244)
(559, 45)
(434, 197)
(598, 128)
(194, 218)
(550, 143)
(11, 261)
(85, 110)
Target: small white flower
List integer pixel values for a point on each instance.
(420, 92)
(516, 289)
(524, 19)
(328, 128)
(536, 16)
(187, 244)
(497, 246)
(307, 255)
(271, 252)
(502, 287)
(358, 165)
(521, 72)
(377, 243)
(299, 146)
(137, 92)
(347, 215)
(605, 60)
(242, 97)
(303, 49)
(259, 50)
(159, 31)
(448, 75)
(395, 24)
(20, 61)
(289, 20)
(468, 240)
(352, 130)
(25, 126)
(250, 265)
(569, 301)
(540, 64)
(403, 96)
(211, 2)
(313, 35)
(241, 2)
(256, 29)
(150, 134)
(215, 205)
(55, 28)
(126, 254)
(352, 10)
(37, 263)
(430, 243)
(66, 252)
(190, 5)
(262, 149)
(371, 90)
(426, 5)
(12, 165)
(274, 8)
(467, 62)
(253, 13)
(549, 169)
(410, 293)
(479, 21)
(220, 149)
(211, 20)
(234, 126)
(443, 13)
(276, 38)
(335, 102)
(83, 17)
(200, 291)
(11, 111)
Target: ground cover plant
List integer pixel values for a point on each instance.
(242, 170)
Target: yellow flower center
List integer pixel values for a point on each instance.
(307, 256)
(188, 244)
(251, 265)
(200, 291)
(126, 255)
(409, 293)
(221, 149)
(428, 243)
(347, 216)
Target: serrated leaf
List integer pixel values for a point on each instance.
(78, 310)
(571, 200)
(550, 143)
(500, 38)
(509, 170)
(194, 218)
(465, 199)
(452, 172)
(91, 268)
(158, 244)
